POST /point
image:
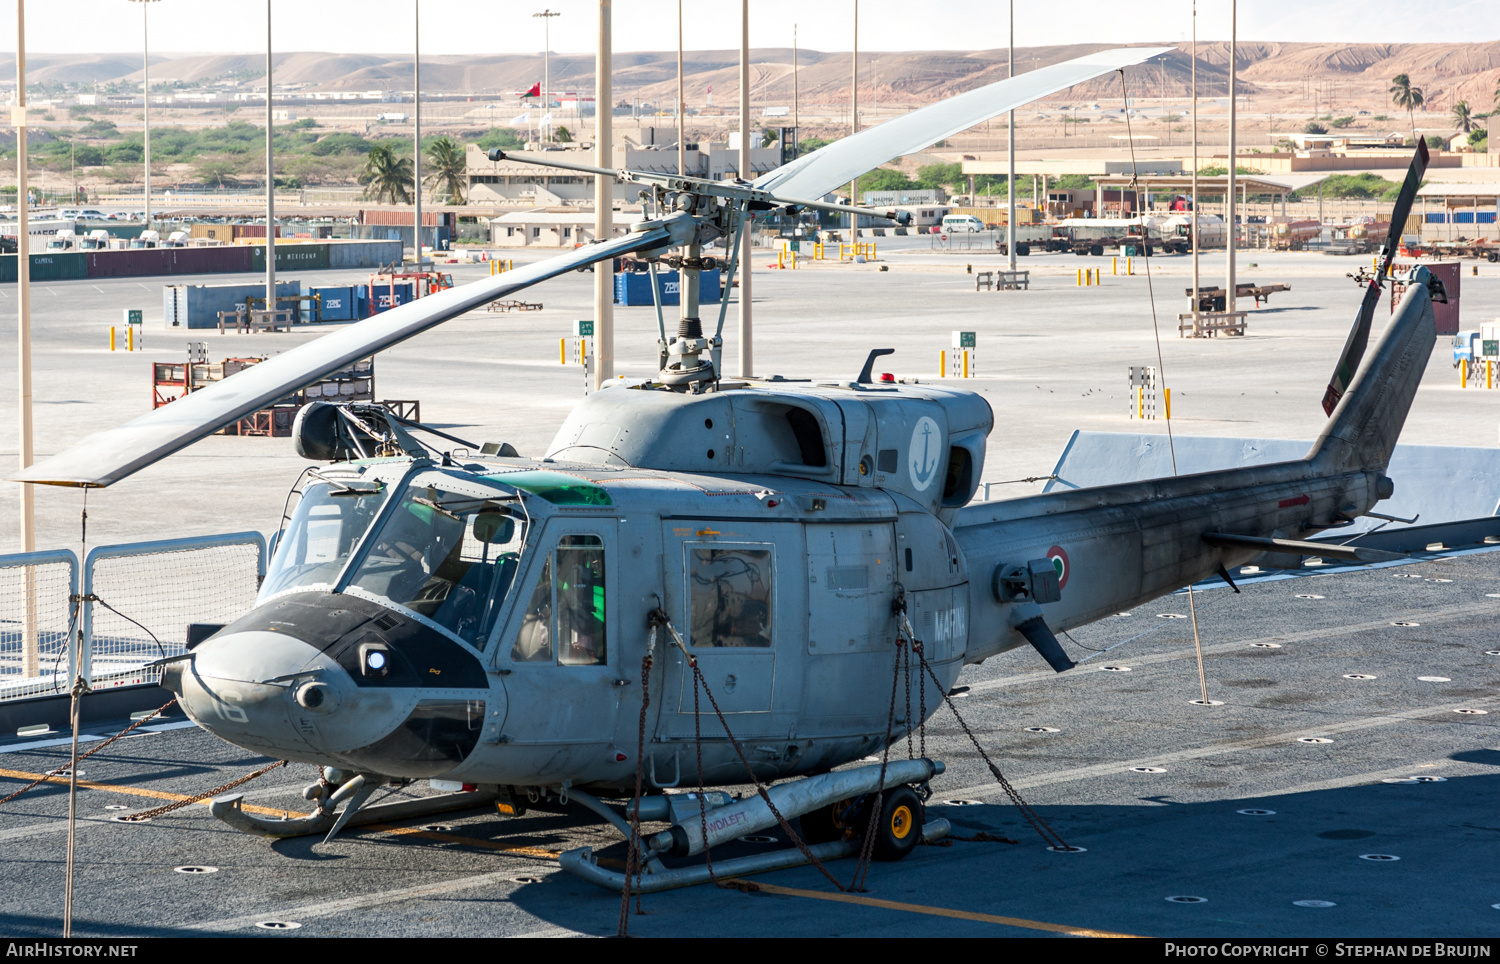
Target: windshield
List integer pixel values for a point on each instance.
(328, 524)
(449, 556)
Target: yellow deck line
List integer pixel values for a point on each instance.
(1035, 925)
(134, 791)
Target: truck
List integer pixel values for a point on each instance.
(1091, 236)
(1176, 232)
(1293, 235)
(1477, 346)
(1027, 237)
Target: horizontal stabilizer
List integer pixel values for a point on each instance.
(1038, 635)
(1228, 540)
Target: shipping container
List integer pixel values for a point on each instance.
(446, 219)
(252, 230)
(142, 262)
(291, 257)
(198, 306)
(363, 254)
(338, 303)
(385, 296)
(635, 288)
(53, 266)
(217, 232)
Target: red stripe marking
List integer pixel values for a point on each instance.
(1288, 503)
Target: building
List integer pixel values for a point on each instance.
(513, 183)
(554, 227)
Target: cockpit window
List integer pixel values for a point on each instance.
(323, 531)
(446, 555)
(567, 605)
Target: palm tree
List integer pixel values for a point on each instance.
(1407, 97)
(387, 177)
(1462, 117)
(449, 170)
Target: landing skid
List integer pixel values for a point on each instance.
(736, 818)
(322, 819)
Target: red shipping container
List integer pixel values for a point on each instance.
(1450, 273)
(145, 262)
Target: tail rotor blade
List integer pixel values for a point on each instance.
(1359, 335)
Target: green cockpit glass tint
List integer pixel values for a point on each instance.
(449, 556)
(567, 605)
(323, 531)
(557, 488)
(729, 592)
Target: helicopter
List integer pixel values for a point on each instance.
(513, 628)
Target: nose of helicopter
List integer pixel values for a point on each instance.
(279, 695)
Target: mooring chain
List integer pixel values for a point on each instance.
(64, 769)
(1049, 836)
(877, 806)
(760, 788)
(199, 798)
(633, 852)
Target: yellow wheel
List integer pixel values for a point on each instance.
(900, 827)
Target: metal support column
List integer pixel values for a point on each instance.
(604, 217)
(747, 173)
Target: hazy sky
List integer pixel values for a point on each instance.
(501, 26)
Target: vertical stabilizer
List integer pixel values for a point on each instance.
(1369, 417)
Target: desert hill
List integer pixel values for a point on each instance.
(1351, 73)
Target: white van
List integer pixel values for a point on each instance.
(961, 224)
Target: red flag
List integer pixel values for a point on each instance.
(535, 91)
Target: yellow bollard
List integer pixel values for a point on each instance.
(1463, 372)
(942, 364)
(1140, 401)
(1168, 393)
(794, 261)
(1489, 374)
(1130, 266)
(111, 337)
(129, 338)
(1114, 266)
(872, 252)
(966, 363)
(1078, 279)
(562, 351)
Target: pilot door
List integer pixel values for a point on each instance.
(729, 596)
(561, 645)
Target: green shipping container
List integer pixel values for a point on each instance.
(57, 266)
(291, 257)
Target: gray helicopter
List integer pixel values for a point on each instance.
(746, 558)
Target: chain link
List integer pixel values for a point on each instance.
(1051, 837)
(199, 798)
(63, 769)
(633, 853)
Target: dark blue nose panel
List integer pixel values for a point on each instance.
(348, 629)
(435, 738)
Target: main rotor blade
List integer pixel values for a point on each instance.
(1359, 334)
(815, 174)
(109, 456)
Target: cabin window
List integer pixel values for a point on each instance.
(567, 605)
(316, 544)
(729, 596)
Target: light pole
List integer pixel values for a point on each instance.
(604, 217)
(746, 173)
(146, 98)
(270, 181)
(416, 111)
(1010, 151)
(547, 16)
(1229, 286)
